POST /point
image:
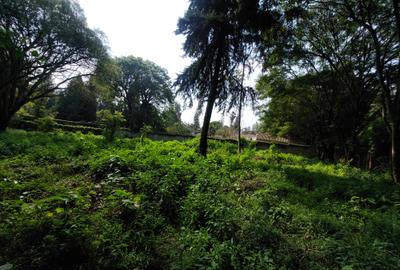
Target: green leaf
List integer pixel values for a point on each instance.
(7, 266)
(35, 53)
(59, 210)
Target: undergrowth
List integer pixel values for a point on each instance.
(73, 201)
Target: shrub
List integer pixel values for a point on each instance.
(45, 123)
(144, 131)
(111, 121)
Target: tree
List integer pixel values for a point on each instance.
(171, 115)
(381, 21)
(196, 117)
(371, 30)
(43, 45)
(78, 102)
(239, 95)
(104, 82)
(358, 41)
(172, 122)
(39, 108)
(317, 109)
(214, 126)
(111, 122)
(218, 34)
(144, 87)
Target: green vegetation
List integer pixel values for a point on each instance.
(78, 102)
(330, 80)
(74, 201)
(112, 121)
(40, 40)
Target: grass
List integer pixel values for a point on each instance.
(73, 201)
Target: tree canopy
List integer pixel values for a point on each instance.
(78, 102)
(144, 87)
(43, 45)
(219, 35)
(357, 42)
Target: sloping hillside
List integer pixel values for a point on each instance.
(73, 201)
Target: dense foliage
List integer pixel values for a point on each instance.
(43, 45)
(220, 36)
(73, 201)
(356, 41)
(78, 102)
(144, 88)
(323, 113)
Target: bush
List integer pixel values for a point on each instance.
(45, 123)
(179, 129)
(111, 121)
(144, 131)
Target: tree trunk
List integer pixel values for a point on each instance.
(395, 153)
(240, 108)
(395, 134)
(5, 115)
(4, 121)
(206, 122)
(240, 118)
(390, 108)
(370, 161)
(210, 104)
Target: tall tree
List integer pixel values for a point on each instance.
(144, 87)
(218, 33)
(196, 117)
(104, 83)
(328, 38)
(375, 24)
(238, 96)
(78, 102)
(317, 109)
(171, 115)
(381, 20)
(43, 45)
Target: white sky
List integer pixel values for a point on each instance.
(145, 28)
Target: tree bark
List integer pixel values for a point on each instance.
(390, 105)
(240, 109)
(395, 134)
(395, 153)
(4, 121)
(240, 118)
(210, 104)
(5, 115)
(206, 122)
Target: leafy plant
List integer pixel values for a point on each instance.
(112, 121)
(46, 123)
(144, 131)
(71, 200)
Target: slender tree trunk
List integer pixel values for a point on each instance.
(130, 115)
(240, 110)
(210, 104)
(391, 109)
(396, 11)
(395, 134)
(395, 153)
(369, 161)
(239, 121)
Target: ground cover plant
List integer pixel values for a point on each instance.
(74, 201)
